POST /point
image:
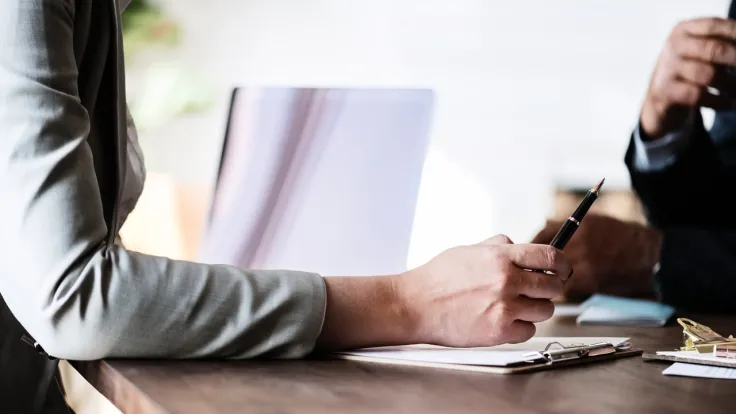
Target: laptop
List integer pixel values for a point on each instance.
(319, 179)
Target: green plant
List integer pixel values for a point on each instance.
(169, 89)
(145, 25)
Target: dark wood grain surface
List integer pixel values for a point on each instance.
(628, 385)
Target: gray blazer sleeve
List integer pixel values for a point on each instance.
(80, 298)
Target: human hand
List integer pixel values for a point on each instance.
(483, 294)
(609, 256)
(694, 58)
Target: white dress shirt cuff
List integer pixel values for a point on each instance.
(656, 155)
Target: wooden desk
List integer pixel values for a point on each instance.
(623, 386)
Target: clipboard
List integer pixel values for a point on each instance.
(554, 356)
(649, 357)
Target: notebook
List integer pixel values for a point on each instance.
(612, 310)
(536, 354)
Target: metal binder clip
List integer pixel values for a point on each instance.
(574, 352)
(555, 351)
(698, 337)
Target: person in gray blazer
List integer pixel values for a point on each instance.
(70, 172)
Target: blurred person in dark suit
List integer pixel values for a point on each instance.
(683, 174)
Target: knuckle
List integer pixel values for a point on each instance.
(505, 281)
(504, 312)
(715, 49)
(551, 255)
(495, 256)
(504, 239)
(678, 29)
(710, 24)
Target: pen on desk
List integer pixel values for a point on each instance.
(571, 224)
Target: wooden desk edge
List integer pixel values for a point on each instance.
(125, 396)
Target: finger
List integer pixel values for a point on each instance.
(498, 239)
(708, 50)
(696, 72)
(520, 331)
(706, 75)
(540, 285)
(530, 310)
(688, 94)
(539, 257)
(709, 27)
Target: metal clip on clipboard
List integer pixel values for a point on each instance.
(556, 352)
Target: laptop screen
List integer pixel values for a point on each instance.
(319, 179)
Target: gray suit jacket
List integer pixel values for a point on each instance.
(70, 172)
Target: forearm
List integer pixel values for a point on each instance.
(677, 194)
(365, 311)
(116, 303)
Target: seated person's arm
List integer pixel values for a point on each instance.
(674, 162)
(683, 173)
(82, 297)
(679, 177)
(74, 290)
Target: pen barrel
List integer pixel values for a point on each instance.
(563, 236)
(584, 206)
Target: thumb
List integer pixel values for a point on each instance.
(499, 239)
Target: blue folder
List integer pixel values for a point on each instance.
(613, 310)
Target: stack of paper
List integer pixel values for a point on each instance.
(700, 371)
(612, 310)
(701, 365)
(495, 356)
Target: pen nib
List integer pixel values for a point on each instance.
(598, 186)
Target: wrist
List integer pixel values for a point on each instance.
(365, 312)
(407, 302)
(658, 119)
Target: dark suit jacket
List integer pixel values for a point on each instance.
(690, 202)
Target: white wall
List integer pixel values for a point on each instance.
(532, 93)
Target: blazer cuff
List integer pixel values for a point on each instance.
(657, 155)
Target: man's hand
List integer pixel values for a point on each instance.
(694, 59)
(609, 256)
(484, 294)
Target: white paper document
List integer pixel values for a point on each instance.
(700, 371)
(698, 356)
(499, 356)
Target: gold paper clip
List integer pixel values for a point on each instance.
(698, 337)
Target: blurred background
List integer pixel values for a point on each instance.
(536, 99)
